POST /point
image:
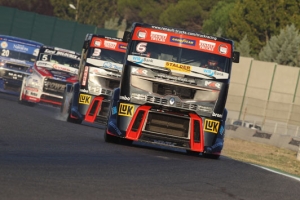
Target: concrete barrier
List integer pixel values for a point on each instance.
(281, 141)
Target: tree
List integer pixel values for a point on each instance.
(146, 11)
(260, 19)
(244, 47)
(218, 17)
(36, 6)
(92, 12)
(186, 14)
(283, 48)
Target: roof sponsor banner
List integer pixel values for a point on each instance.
(182, 40)
(104, 43)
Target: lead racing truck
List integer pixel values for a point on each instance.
(173, 90)
(53, 69)
(99, 73)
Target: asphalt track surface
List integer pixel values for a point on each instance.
(43, 157)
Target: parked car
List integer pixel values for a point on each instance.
(247, 124)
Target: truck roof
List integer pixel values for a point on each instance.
(60, 49)
(90, 35)
(13, 38)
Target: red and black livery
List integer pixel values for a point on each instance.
(167, 95)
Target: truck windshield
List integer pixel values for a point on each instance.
(106, 55)
(180, 55)
(69, 62)
(18, 51)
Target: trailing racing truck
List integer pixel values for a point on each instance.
(173, 90)
(99, 73)
(54, 68)
(17, 56)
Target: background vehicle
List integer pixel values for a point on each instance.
(17, 56)
(247, 124)
(167, 95)
(99, 73)
(53, 69)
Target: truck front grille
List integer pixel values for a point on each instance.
(168, 125)
(53, 86)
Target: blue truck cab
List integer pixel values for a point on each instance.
(17, 57)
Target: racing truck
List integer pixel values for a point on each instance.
(53, 69)
(173, 90)
(99, 73)
(17, 56)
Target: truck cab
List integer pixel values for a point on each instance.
(173, 90)
(53, 68)
(99, 73)
(17, 56)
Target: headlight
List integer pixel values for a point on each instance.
(2, 63)
(32, 82)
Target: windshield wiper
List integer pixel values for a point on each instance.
(153, 67)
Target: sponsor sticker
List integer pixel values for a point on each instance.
(217, 115)
(85, 99)
(139, 71)
(157, 36)
(20, 47)
(142, 34)
(114, 110)
(209, 72)
(178, 67)
(110, 44)
(209, 46)
(183, 41)
(126, 110)
(139, 60)
(85, 74)
(212, 84)
(97, 43)
(223, 49)
(211, 126)
(125, 98)
(36, 52)
(4, 45)
(122, 46)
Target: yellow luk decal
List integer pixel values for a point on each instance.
(178, 67)
(211, 126)
(126, 110)
(85, 99)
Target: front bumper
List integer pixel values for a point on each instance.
(190, 131)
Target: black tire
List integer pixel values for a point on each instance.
(211, 156)
(110, 139)
(192, 153)
(126, 141)
(26, 103)
(74, 121)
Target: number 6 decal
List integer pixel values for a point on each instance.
(141, 47)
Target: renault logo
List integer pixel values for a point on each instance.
(172, 101)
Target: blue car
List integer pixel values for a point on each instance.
(17, 57)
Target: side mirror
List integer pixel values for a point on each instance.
(126, 36)
(236, 57)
